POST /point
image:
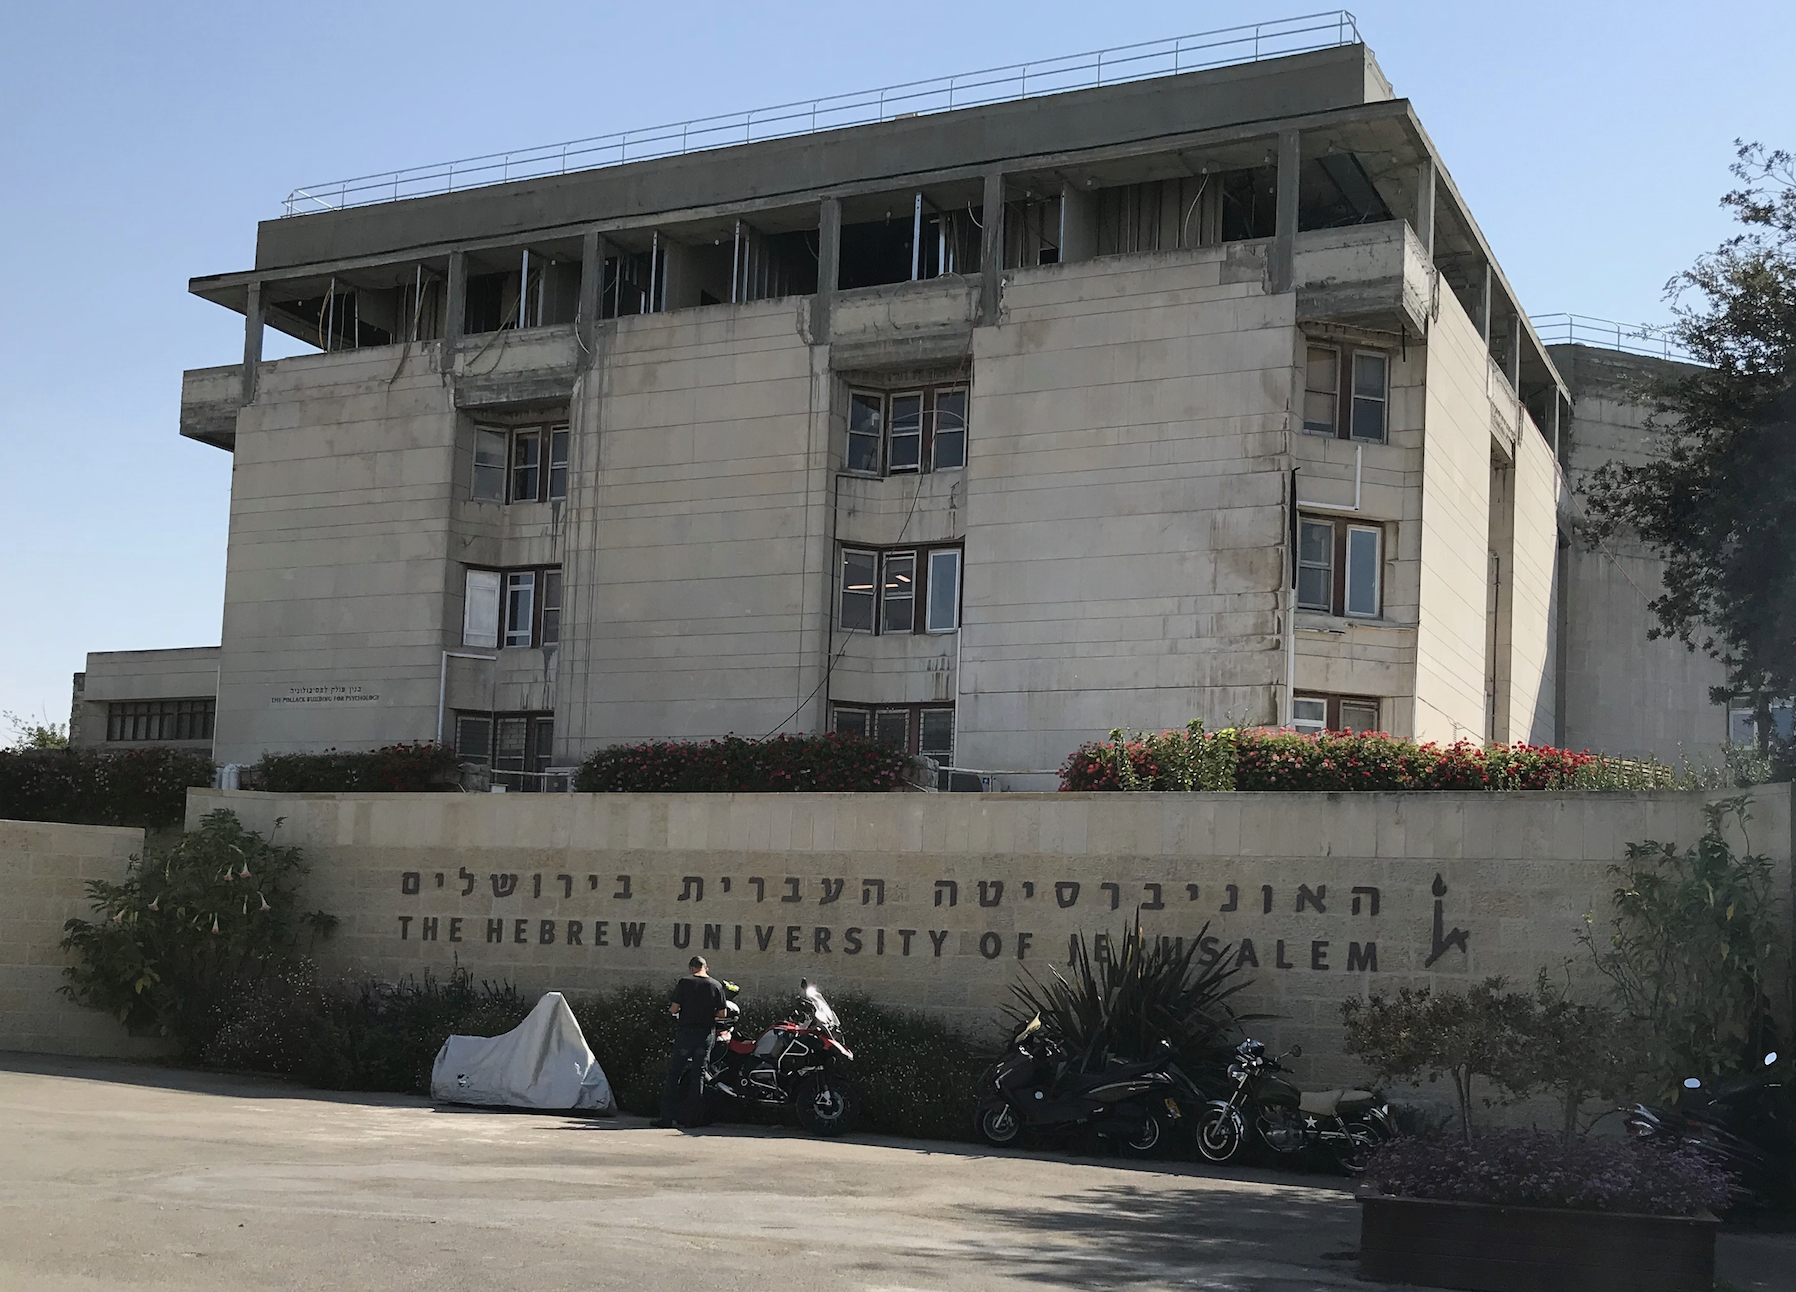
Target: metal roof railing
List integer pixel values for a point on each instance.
(1631, 338)
(1222, 47)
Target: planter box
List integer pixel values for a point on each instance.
(1487, 1248)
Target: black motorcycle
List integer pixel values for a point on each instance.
(1035, 1087)
(1748, 1125)
(794, 1066)
(1267, 1107)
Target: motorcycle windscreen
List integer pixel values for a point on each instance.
(820, 1010)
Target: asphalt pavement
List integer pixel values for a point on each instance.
(121, 1176)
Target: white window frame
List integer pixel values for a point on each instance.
(1382, 399)
(872, 592)
(940, 559)
(484, 437)
(480, 609)
(935, 436)
(560, 443)
(877, 434)
(1349, 587)
(520, 589)
(1371, 706)
(886, 714)
(923, 717)
(893, 574)
(1304, 717)
(893, 434)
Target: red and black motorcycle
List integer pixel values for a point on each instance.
(795, 1065)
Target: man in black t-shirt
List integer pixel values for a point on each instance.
(696, 1005)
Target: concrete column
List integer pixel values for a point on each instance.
(455, 307)
(1284, 238)
(1515, 356)
(254, 316)
(829, 256)
(991, 247)
(1484, 310)
(1425, 206)
(592, 277)
(1078, 224)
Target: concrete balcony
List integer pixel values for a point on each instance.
(210, 398)
(1373, 275)
(903, 324)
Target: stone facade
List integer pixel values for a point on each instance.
(44, 870)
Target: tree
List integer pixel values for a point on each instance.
(36, 735)
(1482, 1032)
(1718, 501)
(1579, 1051)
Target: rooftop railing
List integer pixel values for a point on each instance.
(1220, 48)
(1631, 338)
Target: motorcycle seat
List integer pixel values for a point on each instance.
(1335, 1103)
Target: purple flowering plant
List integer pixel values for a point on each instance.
(1530, 1168)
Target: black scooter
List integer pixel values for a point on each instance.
(1748, 1125)
(1035, 1087)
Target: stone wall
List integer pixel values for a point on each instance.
(941, 902)
(44, 868)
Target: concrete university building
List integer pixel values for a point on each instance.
(980, 429)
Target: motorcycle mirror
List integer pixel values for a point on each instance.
(1296, 1051)
(1771, 1058)
(1691, 1083)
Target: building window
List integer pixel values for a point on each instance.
(926, 729)
(1357, 413)
(1316, 565)
(880, 590)
(1340, 568)
(1371, 377)
(521, 463)
(1314, 714)
(1743, 722)
(518, 747)
(512, 607)
(907, 431)
(489, 465)
(1322, 390)
(160, 720)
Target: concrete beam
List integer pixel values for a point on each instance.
(829, 258)
(254, 316)
(1484, 308)
(991, 247)
(1283, 270)
(592, 278)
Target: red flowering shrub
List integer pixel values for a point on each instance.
(1338, 760)
(141, 787)
(393, 769)
(736, 766)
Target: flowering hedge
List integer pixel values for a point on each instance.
(1245, 759)
(140, 787)
(734, 765)
(392, 769)
(1536, 1169)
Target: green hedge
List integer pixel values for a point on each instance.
(1245, 759)
(734, 765)
(914, 1076)
(138, 787)
(394, 768)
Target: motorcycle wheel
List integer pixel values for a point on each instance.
(1351, 1154)
(1219, 1135)
(999, 1125)
(1153, 1135)
(823, 1106)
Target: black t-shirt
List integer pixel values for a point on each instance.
(699, 1000)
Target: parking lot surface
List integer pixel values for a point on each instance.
(120, 1176)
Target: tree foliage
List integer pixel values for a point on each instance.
(187, 927)
(1718, 501)
(1692, 949)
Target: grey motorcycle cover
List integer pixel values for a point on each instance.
(543, 1062)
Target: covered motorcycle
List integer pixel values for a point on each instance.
(542, 1063)
(1268, 1107)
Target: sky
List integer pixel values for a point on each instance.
(144, 142)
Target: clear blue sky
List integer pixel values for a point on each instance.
(143, 142)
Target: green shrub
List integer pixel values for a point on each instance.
(734, 765)
(190, 927)
(136, 787)
(1243, 759)
(392, 769)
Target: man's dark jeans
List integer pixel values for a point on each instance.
(684, 1070)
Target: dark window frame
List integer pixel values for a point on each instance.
(539, 638)
(929, 415)
(1332, 702)
(536, 752)
(868, 715)
(921, 556)
(549, 473)
(177, 720)
(1342, 526)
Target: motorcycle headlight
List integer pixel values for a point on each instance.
(1236, 1071)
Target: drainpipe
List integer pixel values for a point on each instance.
(443, 681)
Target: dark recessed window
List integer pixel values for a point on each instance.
(160, 720)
